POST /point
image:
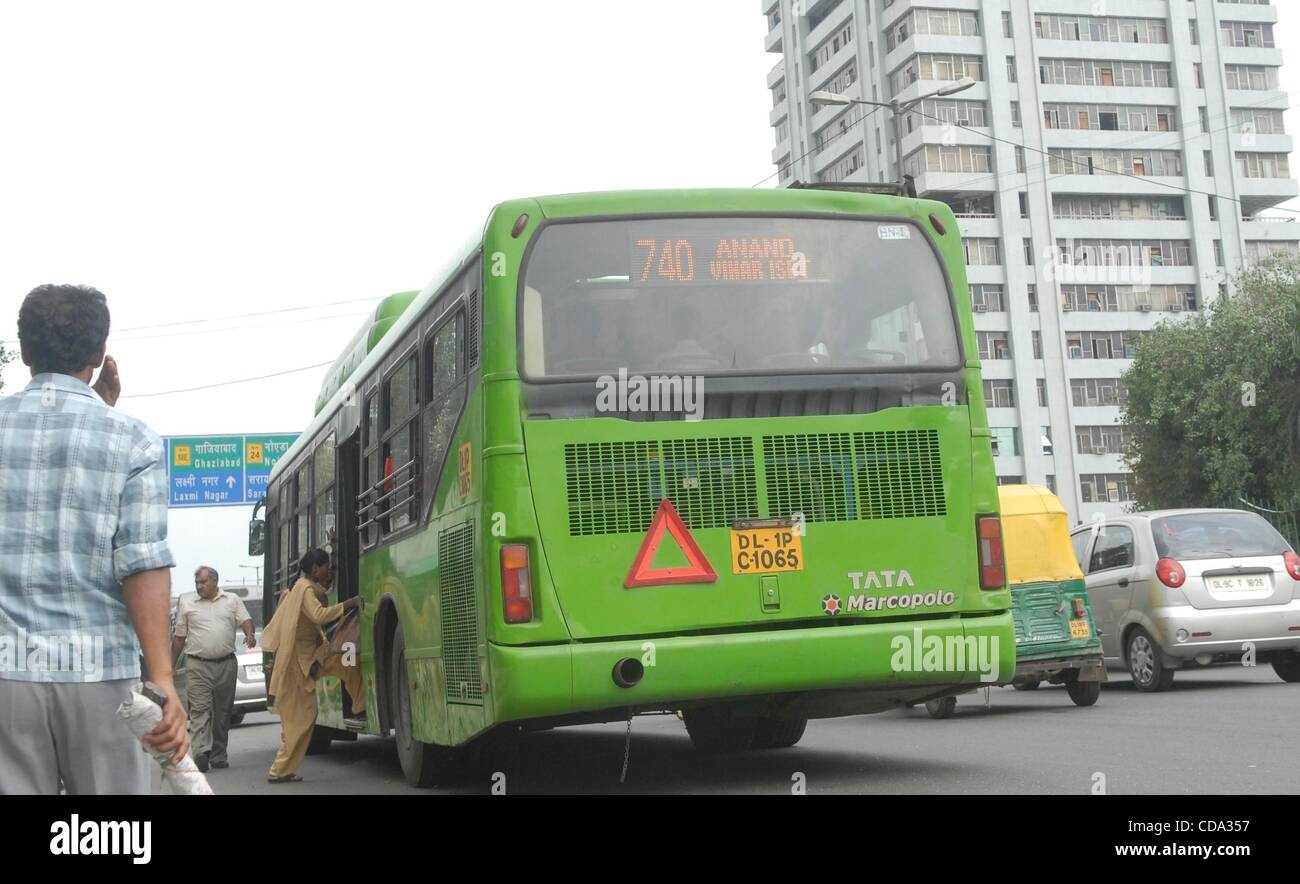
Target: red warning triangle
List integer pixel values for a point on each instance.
(697, 569)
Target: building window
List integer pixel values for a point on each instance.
(1037, 337)
(1041, 384)
(1051, 482)
(1032, 292)
(1106, 487)
(1200, 76)
(993, 345)
(1045, 438)
(1191, 27)
(1029, 251)
(999, 394)
(1015, 114)
(1208, 158)
(1006, 441)
(1011, 69)
(1218, 253)
(1214, 208)
(1020, 158)
(1024, 204)
(1006, 24)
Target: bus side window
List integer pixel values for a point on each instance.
(368, 512)
(444, 361)
(400, 448)
(323, 476)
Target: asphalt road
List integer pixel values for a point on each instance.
(1218, 731)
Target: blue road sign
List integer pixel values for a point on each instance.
(221, 470)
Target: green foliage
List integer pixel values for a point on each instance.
(1214, 401)
(6, 356)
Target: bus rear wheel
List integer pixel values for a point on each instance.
(424, 764)
(771, 733)
(715, 730)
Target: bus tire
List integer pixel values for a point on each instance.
(714, 730)
(319, 741)
(1083, 693)
(772, 733)
(423, 764)
(1287, 666)
(941, 708)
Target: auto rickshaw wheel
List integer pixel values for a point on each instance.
(1027, 685)
(941, 708)
(1083, 693)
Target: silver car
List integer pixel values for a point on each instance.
(1177, 588)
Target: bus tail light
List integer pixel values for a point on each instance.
(516, 584)
(1171, 573)
(1292, 564)
(993, 571)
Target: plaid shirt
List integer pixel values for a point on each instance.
(83, 505)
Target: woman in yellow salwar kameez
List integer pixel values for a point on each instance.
(294, 635)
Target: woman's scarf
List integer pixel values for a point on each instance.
(280, 635)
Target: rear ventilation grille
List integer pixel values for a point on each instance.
(615, 487)
(833, 477)
(462, 677)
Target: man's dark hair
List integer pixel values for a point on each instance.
(63, 328)
(211, 572)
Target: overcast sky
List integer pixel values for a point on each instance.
(201, 160)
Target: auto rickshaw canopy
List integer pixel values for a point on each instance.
(1036, 535)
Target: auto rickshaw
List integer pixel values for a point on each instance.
(1056, 635)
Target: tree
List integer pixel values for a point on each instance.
(6, 356)
(1213, 404)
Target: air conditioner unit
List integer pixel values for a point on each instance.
(1067, 306)
(1175, 308)
(981, 308)
(963, 122)
(1144, 308)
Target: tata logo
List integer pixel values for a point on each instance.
(881, 579)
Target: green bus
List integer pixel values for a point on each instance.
(715, 452)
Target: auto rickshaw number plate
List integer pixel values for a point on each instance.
(1079, 629)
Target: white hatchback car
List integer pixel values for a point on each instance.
(1175, 588)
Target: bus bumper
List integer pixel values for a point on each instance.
(881, 665)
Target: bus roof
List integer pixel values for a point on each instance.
(613, 202)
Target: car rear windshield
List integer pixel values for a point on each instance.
(1215, 536)
(735, 295)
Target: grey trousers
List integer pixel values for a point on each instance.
(69, 733)
(211, 691)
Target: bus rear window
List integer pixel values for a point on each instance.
(722, 296)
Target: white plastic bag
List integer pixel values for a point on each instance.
(142, 714)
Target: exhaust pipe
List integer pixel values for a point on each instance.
(628, 672)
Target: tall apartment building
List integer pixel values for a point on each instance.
(1111, 168)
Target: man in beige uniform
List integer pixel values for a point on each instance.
(205, 628)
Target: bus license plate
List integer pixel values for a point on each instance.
(766, 550)
(1079, 629)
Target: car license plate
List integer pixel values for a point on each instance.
(766, 550)
(1244, 583)
(253, 669)
(1080, 629)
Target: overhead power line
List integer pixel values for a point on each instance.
(260, 377)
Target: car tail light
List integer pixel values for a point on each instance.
(1080, 610)
(1292, 564)
(1171, 573)
(516, 585)
(988, 532)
